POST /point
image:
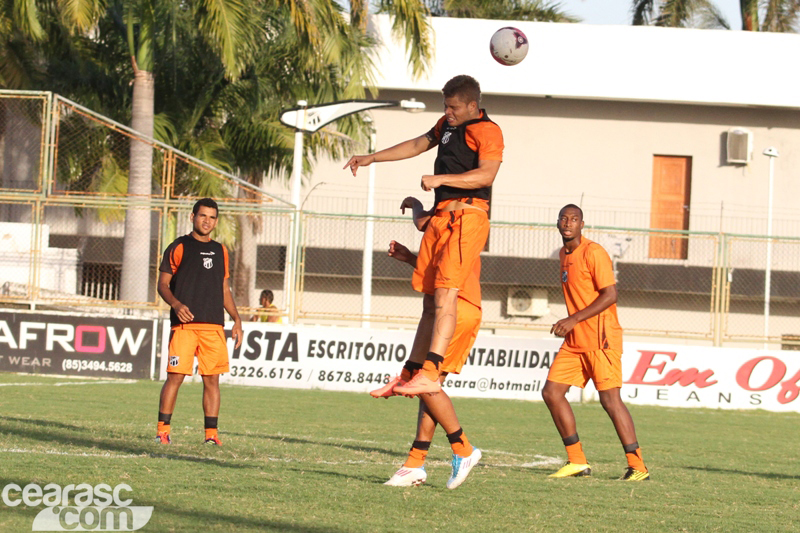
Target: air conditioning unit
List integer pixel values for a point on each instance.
(739, 146)
(527, 301)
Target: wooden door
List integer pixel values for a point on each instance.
(669, 207)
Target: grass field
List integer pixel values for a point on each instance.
(315, 461)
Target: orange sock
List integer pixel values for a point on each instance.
(416, 457)
(409, 370)
(430, 368)
(575, 454)
(634, 457)
(460, 443)
(162, 427)
(211, 432)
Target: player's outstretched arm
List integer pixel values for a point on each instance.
(483, 176)
(404, 150)
(183, 312)
(230, 307)
(606, 298)
(419, 215)
(401, 253)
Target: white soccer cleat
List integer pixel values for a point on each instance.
(462, 467)
(408, 477)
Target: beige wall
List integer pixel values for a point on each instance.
(559, 151)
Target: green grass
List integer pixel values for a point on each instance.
(315, 461)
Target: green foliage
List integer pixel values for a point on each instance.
(534, 10)
(778, 15)
(314, 461)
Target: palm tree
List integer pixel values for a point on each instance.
(779, 15)
(679, 14)
(533, 10)
(198, 66)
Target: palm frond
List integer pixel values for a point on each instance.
(230, 27)
(781, 15)
(25, 16)
(411, 24)
(642, 11)
(303, 21)
(81, 15)
(709, 16)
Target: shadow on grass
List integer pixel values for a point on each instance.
(375, 480)
(332, 444)
(44, 423)
(201, 520)
(61, 439)
(766, 475)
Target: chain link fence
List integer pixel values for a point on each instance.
(519, 276)
(66, 241)
(74, 238)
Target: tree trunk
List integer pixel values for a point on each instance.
(136, 244)
(749, 9)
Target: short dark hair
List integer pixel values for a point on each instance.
(205, 202)
(266, 293)
(466, 87)
(571, 206)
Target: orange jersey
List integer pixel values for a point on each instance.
(583, 273)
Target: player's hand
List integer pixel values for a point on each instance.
(399, 252)
(430, 182)
(237, 333)
(184, 315)
(359, 161)
(563, 326)
(410, 203)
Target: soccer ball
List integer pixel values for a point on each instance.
(509, 46)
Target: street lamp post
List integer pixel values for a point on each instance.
(369, 235)
(772, 153)
(309, 119)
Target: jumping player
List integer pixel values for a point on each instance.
(592, 347)
(468, 323)
(470, 150)
(193, 280)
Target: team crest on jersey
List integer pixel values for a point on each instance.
(208, 262)
(563, 276)
(446, 137)
(173, 360)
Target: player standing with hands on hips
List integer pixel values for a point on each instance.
(193, 280)
(592, 347)
(470, 150)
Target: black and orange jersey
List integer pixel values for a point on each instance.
(583, 273)
(461, 148)
(198, 270)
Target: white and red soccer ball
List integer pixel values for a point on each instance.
(509, 46)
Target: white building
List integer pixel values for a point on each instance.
(633, 124)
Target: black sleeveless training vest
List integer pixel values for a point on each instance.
(455, 157)
(198, 280)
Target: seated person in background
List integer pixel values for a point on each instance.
(268, 312)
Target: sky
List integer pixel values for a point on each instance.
(618, 11)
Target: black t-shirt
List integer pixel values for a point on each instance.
(198, 270)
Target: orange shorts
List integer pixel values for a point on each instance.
(207, 342)
(604, 367)
(468, 322)
(451, 245)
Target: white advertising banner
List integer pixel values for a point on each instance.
(359, 360)
(720, 378)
